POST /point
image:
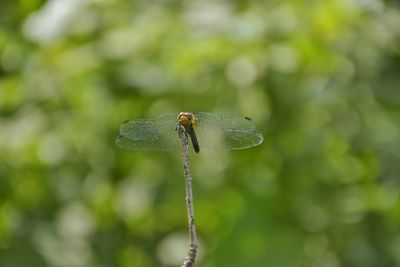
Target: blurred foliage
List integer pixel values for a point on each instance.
(320, 78)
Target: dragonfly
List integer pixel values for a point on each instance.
(206, 130)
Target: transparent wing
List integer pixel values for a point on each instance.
(148, 128)
(227, 139)
(216, 121)
(218, 132)
(150, 134)
(166, 142)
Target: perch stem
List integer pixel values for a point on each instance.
(192, 251)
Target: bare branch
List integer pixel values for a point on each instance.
(192, 251)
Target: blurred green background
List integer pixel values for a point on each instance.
(321, 79)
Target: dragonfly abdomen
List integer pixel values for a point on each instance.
(193, 137)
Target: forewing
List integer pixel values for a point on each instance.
(216, 121)
(148, 128)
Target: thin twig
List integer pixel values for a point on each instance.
(192, 251)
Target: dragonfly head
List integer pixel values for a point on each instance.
(185, 118)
